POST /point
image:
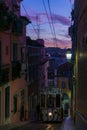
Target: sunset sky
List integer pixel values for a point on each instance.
(50, 21)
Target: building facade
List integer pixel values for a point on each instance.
(52, 81)
(79, 40)
(64, 82)
(37, 74)
(13, 86)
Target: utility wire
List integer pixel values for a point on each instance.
(48, 18)
(29, 18)
(52, 22)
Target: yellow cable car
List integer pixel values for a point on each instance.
(51, 104)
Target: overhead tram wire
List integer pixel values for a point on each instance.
(52, 21)
(29, 18)
(48, 18)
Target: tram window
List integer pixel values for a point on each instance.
(42, 100)
(50, 101)
(57, 100)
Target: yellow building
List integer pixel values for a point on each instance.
(64, 83)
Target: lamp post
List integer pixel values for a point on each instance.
(69, 57)
(68, 54)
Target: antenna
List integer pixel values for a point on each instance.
(38, 27)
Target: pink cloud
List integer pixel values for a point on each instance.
(61, 19)
(60, 43)
(43, 16)
(33, 31)
(35, 18)
(71, 1)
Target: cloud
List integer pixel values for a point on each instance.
(42, 16)
(37, 16)
(61, 19)
(64, 35)
(61, 24)
(41, 30)
(62, 43)
(71, 1)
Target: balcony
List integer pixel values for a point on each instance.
(17, 27)
(16, 70)
(4, 18)
(4, 74)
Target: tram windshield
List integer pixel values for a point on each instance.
(57, 100)
(42, 100)
(50, 101)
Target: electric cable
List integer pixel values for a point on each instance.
(48, 18)
(52, 21)
(29, 18)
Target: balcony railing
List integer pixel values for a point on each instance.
(16, 70)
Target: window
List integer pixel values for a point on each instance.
(22, 105)
(50, 100)
(42, 100)
(15, 103)
(6, 50)
(65, 96)
(22, 97)
(22, 54)
(15, 51)
(63, 85)
(50, 74)
(7, 102)
(57, 100)
(17, 27)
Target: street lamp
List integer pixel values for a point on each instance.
(68, 54)
(68, 57)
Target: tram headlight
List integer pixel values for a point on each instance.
(50, 114)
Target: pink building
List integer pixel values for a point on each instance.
(13, 86)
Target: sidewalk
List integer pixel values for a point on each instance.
(68, 124)
(14, 126)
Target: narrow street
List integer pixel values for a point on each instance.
(43, 65)
(40, 126)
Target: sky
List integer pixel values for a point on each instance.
(50, 20)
